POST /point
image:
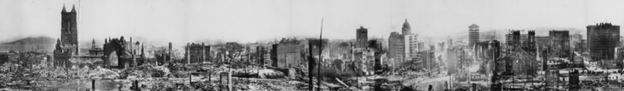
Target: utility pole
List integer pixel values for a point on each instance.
(320, 56)
(310, 67)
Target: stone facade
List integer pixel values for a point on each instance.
(67, 45)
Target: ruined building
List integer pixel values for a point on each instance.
(602, 39)
(520, 51)
(119, 53)
(396, 46)
(516, 40)
(260, 53)
(67, 53)
(273, 55)
(560, 43)
(513, 39)
(197, 53)
(94, 50)
(362, 37)
(529, 45)
(67, 45)
(289, 54)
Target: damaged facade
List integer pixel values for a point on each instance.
(197, 53)
(560, 43)
(67, 45)
(289, 54)
(602, 39)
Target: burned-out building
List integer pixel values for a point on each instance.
(559, 43)
(426, 60)
(94, 50)
(361, 37)
(163, 55)
(489, 52)
(119, 53)
(289, 54)
(575, 39)
(396, 45)
(526, 42)
(513, 39)
(602, 39)
(521, 51)
(197, 53)
(261, 52)
(273, 55)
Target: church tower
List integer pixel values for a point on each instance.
(69, 28)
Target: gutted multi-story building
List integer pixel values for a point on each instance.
(602, 39)
(361, 37)
(560, 43)
(197, 53)
(473, 34)
(289, 54)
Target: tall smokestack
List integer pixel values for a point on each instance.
(170, 53)
(188, 56)
(142, 51)
(134, 62)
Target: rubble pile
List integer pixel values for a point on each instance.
(103, 73)
(148, 71)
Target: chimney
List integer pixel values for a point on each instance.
(170, 53)
(142, 51)
(188, 56)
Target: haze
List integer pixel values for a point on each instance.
(255, 20)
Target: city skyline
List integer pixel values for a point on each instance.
(192, 21)
(163, 45)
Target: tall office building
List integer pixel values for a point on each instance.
(602, 39)
(362, 37)
(473, 34)
(403, 46)
(396, 45)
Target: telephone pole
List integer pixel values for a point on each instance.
(320, 56)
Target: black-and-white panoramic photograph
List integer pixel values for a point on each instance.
(311, 45)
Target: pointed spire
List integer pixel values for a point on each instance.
(58, 44)
(73, 8)
(63, 11)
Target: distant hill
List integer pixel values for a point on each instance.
(30, 44)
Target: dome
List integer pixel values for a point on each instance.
(406, 28)
(406, 24)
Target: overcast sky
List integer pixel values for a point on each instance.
(251, 20)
